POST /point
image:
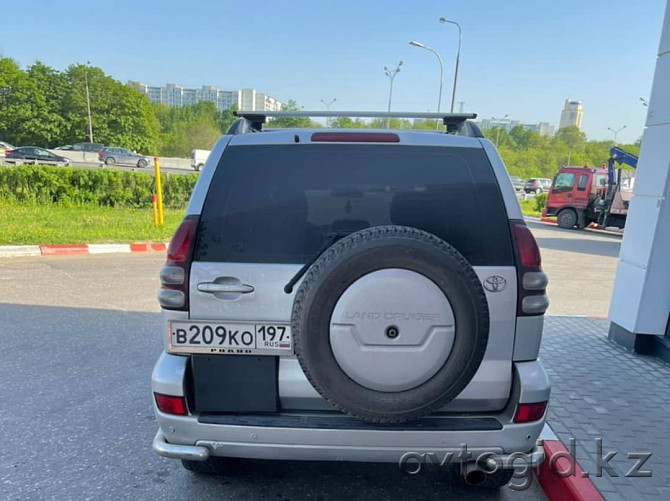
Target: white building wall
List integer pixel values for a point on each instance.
(641, 296)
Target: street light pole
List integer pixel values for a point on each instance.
(327, 105)
(88, 105)
(439, 59)
(616, 132)
(458, 59)
(391, 74)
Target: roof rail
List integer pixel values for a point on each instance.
(456, 123)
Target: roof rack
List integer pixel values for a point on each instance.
(456, 123)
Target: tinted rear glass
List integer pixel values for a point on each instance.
(278, 203)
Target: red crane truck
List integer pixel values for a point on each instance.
(580, 196)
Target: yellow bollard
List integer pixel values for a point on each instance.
(159, 193)
(154, 207)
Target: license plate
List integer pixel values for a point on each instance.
(230, 338)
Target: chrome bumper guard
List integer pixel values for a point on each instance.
(201, 453)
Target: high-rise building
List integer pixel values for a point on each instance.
(176, 95)
(156, 94)
(571, 116)
(173, 95)
(226, 99)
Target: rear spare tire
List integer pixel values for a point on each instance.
(390, 323)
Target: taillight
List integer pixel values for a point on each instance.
(175, 272)
(355, 137)
(170, 404)
(101, 153)
(526, 413)
(532, 281)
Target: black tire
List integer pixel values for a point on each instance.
(198, 167)
(567, 219)
(212, 466)
(538, 191)
(142, 163)
(375, 249)
(110, 161)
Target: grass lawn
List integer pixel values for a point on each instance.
(50, 224)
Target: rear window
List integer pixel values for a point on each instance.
(278, 203)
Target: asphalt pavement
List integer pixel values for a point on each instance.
(581, 265)
(80, 337)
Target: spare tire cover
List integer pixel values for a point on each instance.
(390, 323)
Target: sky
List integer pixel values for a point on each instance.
(521, 58)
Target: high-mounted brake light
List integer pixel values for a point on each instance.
(175, 273)
(531, 280)
(355, 137)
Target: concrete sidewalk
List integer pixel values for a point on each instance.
(599, 390)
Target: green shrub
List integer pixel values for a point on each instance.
(540, 200)
(68, 186)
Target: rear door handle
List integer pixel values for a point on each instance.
(213, 288)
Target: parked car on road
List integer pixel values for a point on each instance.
(198, 159)
(537, 185)
(5, 147)
(37, 155)
(352, 295)
(112, 155)
(517, 182)
(65, 147)
(88, 147)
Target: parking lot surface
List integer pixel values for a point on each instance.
(80, 337)
(581, 265)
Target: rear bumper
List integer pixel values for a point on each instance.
(204, 449)
(331, 435)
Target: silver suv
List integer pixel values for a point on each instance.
(352, 295)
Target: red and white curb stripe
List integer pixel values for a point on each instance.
(558, 486)
(78, 249)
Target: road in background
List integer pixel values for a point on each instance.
(80, 337)
(581, 265)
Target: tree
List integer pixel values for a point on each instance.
(22, 107)
(121, 116)
(52, 87)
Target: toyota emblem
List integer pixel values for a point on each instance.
(495, 283)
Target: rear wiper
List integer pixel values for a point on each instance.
(330, 240)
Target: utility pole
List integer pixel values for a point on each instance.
(327, 105)
(391, 74)
(414, 43)
(88, 105)
(458, 60)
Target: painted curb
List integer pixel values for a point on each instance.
(558, 487)
(19, 250)
(8, 251)
(63, 250)
(107, 248)
(547, 220)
